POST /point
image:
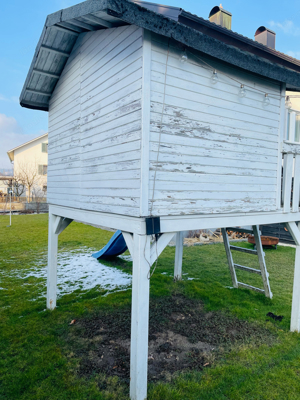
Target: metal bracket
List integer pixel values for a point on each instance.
(152, 225)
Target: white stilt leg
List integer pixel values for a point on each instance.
(295, 317)
(178, 256)
(52, 262)
(139, 318)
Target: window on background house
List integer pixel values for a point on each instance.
(44, 147)
(297, 128)
(42, 170)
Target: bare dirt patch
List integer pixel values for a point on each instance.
(182, 336)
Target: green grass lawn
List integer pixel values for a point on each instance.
(34, 359)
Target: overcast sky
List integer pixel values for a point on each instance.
(21, 24)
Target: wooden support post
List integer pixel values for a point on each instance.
(52, 261)
(229, 258)
(178, 256)
(55, 227)
(139, 317)
(295, 316)
(261, 260)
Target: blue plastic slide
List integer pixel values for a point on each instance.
(114, 247)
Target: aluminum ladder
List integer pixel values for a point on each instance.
(261, 258)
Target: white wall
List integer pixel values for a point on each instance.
(295, 101)
(29, 157)
(95, 124)
(218, 151)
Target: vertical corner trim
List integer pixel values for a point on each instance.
(145, 124)
(281, 130)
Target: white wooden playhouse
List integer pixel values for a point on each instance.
(161, 122)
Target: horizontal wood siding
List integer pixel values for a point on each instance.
(95, 124)
(218, 151)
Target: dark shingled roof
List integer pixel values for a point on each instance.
(62, 28)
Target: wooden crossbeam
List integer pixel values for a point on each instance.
(159, 245)
(38, 92)
(55, 51)
(69, 26)
(65, 30)
(50, 74)
(61, 224)
(83, 25)
(128, 237)
(97, 20)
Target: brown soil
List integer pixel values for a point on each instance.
(182, 336)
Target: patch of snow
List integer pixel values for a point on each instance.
(77, 270)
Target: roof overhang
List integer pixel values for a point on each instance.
(62, 28)
(11, 153)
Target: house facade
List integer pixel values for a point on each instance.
(30, 162)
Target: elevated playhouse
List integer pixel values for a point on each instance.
(162, 122)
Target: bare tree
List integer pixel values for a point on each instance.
(27, 174)
(19, 187)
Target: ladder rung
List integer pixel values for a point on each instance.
(245, 286)
(241, 230)
(248, 269)
(243, 249)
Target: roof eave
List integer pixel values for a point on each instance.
(131, 13)
(24, 144)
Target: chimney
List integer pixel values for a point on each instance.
(265, 36)
(220, 17)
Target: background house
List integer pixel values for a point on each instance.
(5, 178)
(30, 166)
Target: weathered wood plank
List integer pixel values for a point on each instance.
(290, 148)
(161, 43)
(95, 125)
